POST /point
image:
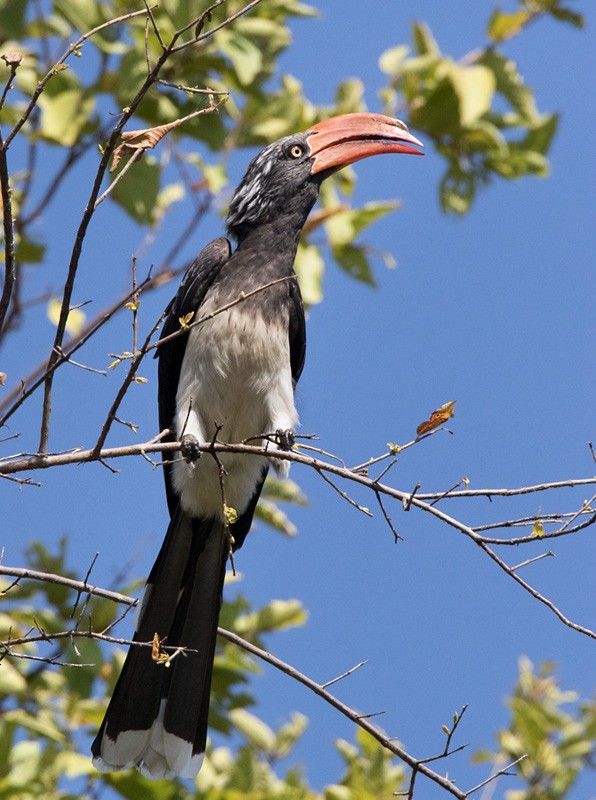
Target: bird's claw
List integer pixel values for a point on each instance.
(286, 439)
(189, 447)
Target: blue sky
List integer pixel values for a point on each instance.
(496, 311)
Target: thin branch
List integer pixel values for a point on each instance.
(362, 721)
(495, 775)
(199, 22)
(135, 156)
(539, 487)
(56, 67)
(344, 674)
(21, 573)
(344, 495)
(44, 461)
(130, 377)
(9, 245)
(27, 386)
(531, 561)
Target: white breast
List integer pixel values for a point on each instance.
(236, 373)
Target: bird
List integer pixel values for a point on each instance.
(231, 377)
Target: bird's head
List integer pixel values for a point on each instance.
(283, 179)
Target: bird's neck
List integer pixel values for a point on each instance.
(275, 241)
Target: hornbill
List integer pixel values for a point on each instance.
(233, 376)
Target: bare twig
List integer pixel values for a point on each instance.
(344, 675)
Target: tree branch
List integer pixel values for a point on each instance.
(33, 461)
(319, 689)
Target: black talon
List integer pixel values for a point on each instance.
(189, 447)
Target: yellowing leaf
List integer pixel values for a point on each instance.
(133, 306)
(76, 317)
(310, 266)
(538, 529)
(157, 652)
(186, 320)
(216, 177)
(503, 26)
(475, 87)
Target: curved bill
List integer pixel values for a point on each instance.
(339, 141)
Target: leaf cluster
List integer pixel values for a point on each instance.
(49, 705)
(551, 731)
(477, 110)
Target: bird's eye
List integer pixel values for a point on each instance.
(296, 151)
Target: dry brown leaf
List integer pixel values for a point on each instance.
(437, 418)
(140, 140)
(148, 138)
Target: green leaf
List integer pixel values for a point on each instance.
(30, 251)
(424, 41)
(349, 96)
(273, 516)
(474, 87)
(345, 225)
(132, 786)
(266, 34)
(11, 680)
(566, 15)
(166, 197)
(289, 733)
(457, 190)
(245, 56)
(215, 176)
(438, 110)
(309, 266)
(66, 111)
(509, 83)
(540, 136)
(12, 19)
(254, 730)
(353, 260)
(502, 26)
(82, 14)
(392, 60)
(286, 491)
(138, 190)
(43, 723)
(279, 614)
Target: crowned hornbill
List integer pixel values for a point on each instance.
(233, 375)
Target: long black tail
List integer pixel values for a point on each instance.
(157, 717)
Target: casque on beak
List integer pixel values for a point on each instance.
(339, 141)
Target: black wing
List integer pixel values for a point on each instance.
(201, 274)
(297, 331)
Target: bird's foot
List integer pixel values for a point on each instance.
(286, 439)
(189, 447)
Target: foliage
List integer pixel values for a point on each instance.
(477, 110)
(551, 731)
(49, 713)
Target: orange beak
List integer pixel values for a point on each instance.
(339, 141)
